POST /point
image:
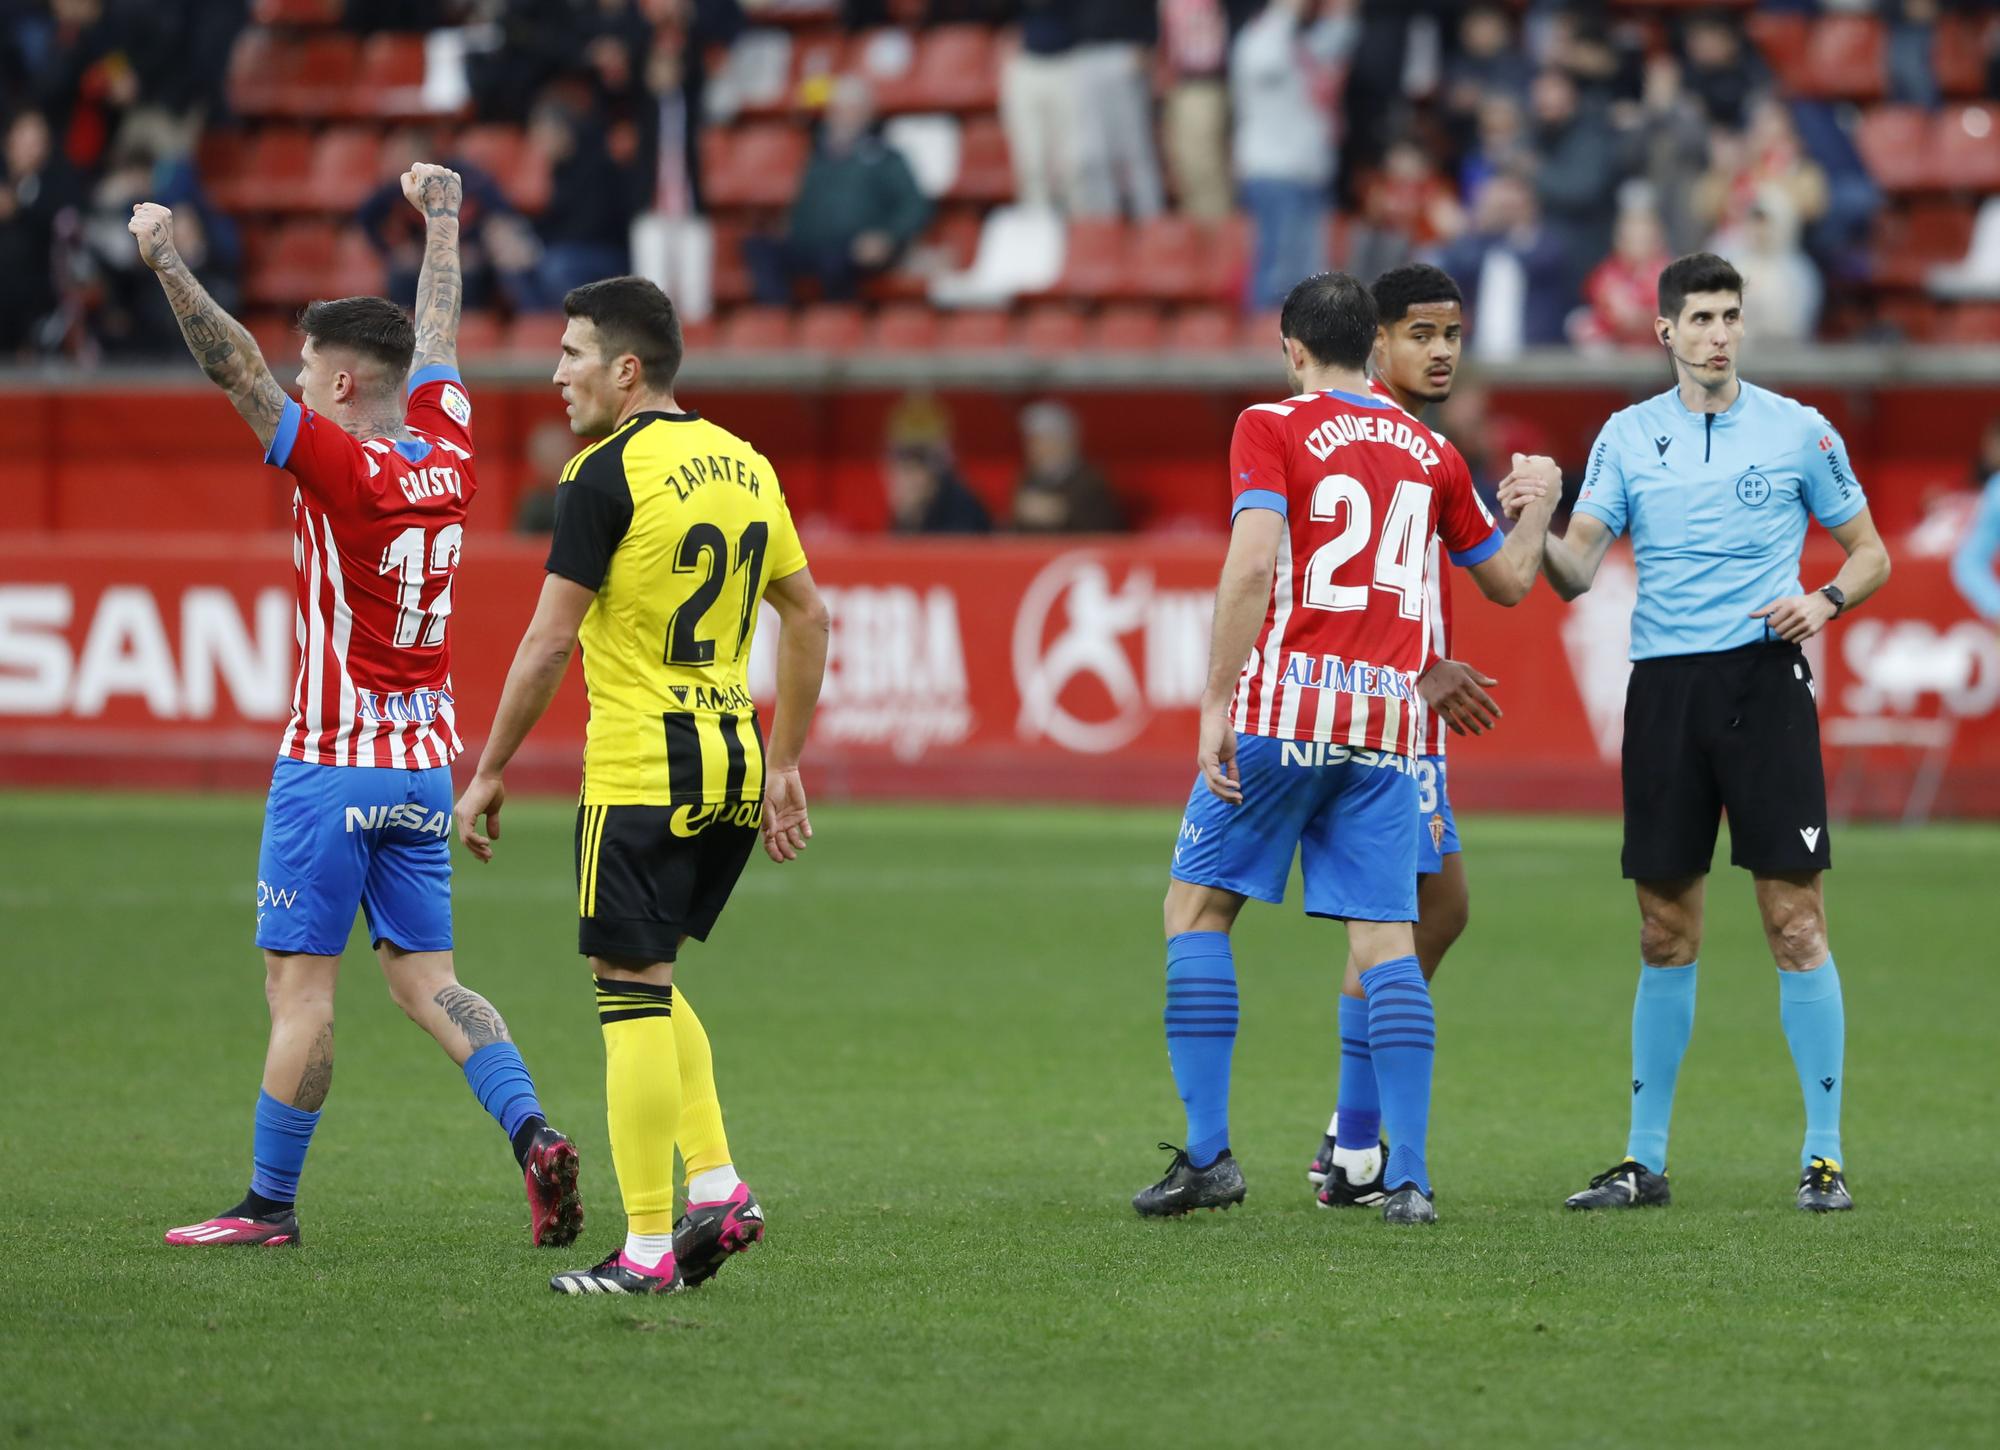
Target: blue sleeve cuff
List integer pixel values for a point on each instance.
(1479, 553)
(1602, 515)
(1834, 521)
(1258, 498)
(436, 372)
(287, 436)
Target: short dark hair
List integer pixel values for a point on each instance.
(1399, 289)
(373, 326)
(635, 316)
(1333, 317)
(1694, 273)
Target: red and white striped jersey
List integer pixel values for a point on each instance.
(377, 527)
(1434, 728)
(1363, 488)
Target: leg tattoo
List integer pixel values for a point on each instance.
(317, 1079)
(473, 1015)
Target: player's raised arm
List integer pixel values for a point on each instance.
(226, 351)
(438, 193)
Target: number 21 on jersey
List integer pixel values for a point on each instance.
(705, 551)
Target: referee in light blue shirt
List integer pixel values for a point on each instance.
(1714, 480)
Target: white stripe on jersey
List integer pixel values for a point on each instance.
(1393, 733)
(449, 719)
(295, 733)
(1288, 712)
(1281, 615)
(1240, 711)
(1279, 408)
(314, 655)
(1357, 728)
(343, 630)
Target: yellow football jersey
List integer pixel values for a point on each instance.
(679, 526)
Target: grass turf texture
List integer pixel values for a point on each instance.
(939, 1048)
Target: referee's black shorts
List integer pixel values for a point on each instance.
(649, 875)
(1734, 731)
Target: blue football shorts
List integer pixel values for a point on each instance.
(1350, 815)
(341, 836)
(1437, 828)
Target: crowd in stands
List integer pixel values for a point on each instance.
(1552, 154)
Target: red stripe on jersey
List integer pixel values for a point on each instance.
(1434, 729)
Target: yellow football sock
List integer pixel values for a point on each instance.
(703, 1143)
(642, 1097)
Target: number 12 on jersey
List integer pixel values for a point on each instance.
(705, 551)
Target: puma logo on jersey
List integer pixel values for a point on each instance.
(1810, 835)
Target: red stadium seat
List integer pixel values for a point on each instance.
(480, 335)
(261, 64)
(753, 166)
(1842, 60)
(390, 80)
(220, 161)
(1781, 39)
(1896, 146)
(975, 332)
(1098, 260)
(517, 166)
(1050, 331)
(957, 69)
(325, 76)
(832, 327)
(1968, 147)
(1971, 324)
(732, 271)
(1199, 330)
(758, 329)
(291, 266)
(344, 166)
(1169, 260)
(279, 339)
(1127, 329)
(1260, 332)
(906, 327)
(985, 170)
(275, 172)
(537, 336)
(1906, 245)
(302, 14)
(357, 268)
(1959, 53)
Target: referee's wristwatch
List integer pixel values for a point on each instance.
(1837, 595)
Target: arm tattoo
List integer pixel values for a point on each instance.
(440, 286)
(473, 1015)
(226, 351)
(317, 1079)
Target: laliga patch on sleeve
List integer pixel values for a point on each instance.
(457, 406)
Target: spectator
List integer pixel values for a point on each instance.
(87, 81)
(1576, 173)
(1405, 205)
(1036, 92)
(585, 229)
(1720, 70)
(1060, 491)
(498, 250)
(1911, 76)
(1502, 145)
(672, 244)
(1488, 63)
(1621, 297)
(1514, 272)
(1745, 169)
(857, 209)
(1112, 85)
(1672, 145)
(926, 495)
(1607, 68)
(38, 193)
(1194, 36)
(1285, 75)
(1781, 288)
(550, 447)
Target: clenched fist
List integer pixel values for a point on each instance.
(436, 191)
(152, 226)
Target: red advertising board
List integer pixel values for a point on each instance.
(1002, 669)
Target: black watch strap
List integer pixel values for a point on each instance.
(1837, 595)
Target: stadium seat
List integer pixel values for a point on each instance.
(274, 175)
(263, 64)
(1960, 52)
(985, 170)
(1201, 330)
(325, 78)
(1227, 261)
(731, 282)
(1781, 40)
(1260, 332)
(930, 145)
(290, 266)
(518, 166)
(753, 166)
(1169, 260)
(1050, 331)
(1896, 146)
(537, 336)
(757, 329)
(302, 14)
(1842, 60)
(357, 269)
(1906, 245)
(831, 327)
(219, 161)
(1127, 328)
(957, 69)
(279, 339)
(1098, 260)
(1968, 147)
(480, 334)
(390, 79)
(1971, 324)
(1020, 252)
(345, 163)
(975, 332)
(905, 327)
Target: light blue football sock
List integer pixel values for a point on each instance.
(1815, 1018)
(1360, 1106)
(1201, 1035)
(1402, 1037)
(1662, 1023)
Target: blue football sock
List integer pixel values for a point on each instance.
(1662, 1023)
(1815, 1019)
(1201, 1034)
(499, 1079)
(1402, 1036)
(278, 1149)
(1360, 1114)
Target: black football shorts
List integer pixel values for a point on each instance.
(1735, 731)
(647, 876)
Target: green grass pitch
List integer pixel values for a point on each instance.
(939, 1049)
